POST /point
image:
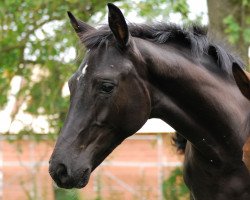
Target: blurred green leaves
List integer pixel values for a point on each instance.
(232, 29)
(181, 6)
(158, 10)
(237, 27)
(174, 187)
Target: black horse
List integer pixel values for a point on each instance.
(131, 73)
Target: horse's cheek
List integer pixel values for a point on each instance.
(133, 112)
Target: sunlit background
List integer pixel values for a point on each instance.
(39, 51)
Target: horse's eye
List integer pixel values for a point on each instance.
(107, 87)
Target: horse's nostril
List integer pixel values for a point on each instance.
(62, 172)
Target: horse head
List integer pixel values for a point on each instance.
(108, 103)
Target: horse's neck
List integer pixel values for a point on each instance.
(209, 111)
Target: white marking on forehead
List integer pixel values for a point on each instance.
(84, 69)
(83, 72)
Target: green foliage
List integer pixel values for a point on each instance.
(180, 6)
(62, 194)
(232, 29)
(174, 187)
(157, 10)
(237, 26)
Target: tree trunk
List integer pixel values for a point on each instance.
(219, 10)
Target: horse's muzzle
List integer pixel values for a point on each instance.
(67, 179)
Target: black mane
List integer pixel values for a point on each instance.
(193, 37)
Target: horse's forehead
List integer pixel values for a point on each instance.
(106, 59)
(107, 53)
(103, 62)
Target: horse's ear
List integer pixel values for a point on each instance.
(79, 26)
(118, 25)
(242, 79)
